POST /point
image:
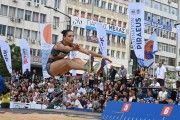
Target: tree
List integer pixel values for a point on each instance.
(16, 60)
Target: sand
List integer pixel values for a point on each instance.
(37, 116)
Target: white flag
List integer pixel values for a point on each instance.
(151, 47)
(6, 53)
(46, 45)
(136, 20)
(178, 32)
(102, 37)
(25, 55)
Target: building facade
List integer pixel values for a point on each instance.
(21, 19)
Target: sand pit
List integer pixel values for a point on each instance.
(37, 116)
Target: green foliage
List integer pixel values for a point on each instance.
(16, 60)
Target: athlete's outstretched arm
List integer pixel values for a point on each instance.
(88, 52)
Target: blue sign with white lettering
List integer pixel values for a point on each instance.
(140, 111)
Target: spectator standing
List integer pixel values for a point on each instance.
(161, 74)
(26, 74)
(112, 73)
(34, 76)
(122, 74)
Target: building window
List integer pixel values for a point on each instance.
(83, 1)
(123, 55)
(3, 9)
(42, 18)
(76, 13)
(55, 22)
(108, 20)
(54, 39)
(112, 53)
(10, 31)
(87, 47)
(12, 11)
(103, 4)
(69, 11)
(75, 29)
(171, 62)
(96, 3)
(82, 14)
(119, 23)
(124, 24)
(118, 39)
(109, 6)
(89, 2)
(102, 19)
(89, 16)
(81, 31)
(115, 8)
(2, 30)
(35, 17)
(28, 15)
(18, 33)
(33, 36)
(125, 10)
(118, 54)
(20, 13)
(156, 5)
(120, 9)
(113, 39)
(93, 48)
(95, 17)
(107, 52)
(26, 34)
(165, 8)
(173, 11)
(43, 2)
(57, 3)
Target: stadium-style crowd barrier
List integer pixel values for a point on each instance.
(140, 111)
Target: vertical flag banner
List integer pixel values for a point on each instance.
(102, 37)
(150, 48)
(136, 20)
(25, 55)
(6, 53)
(178, 32)
(46, 45)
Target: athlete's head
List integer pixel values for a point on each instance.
(68, 36)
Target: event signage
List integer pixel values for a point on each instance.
(136, 20)
(46, 46)
(90, 24)
(6, 53)
(25, 55)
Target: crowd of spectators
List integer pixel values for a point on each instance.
(89, 92)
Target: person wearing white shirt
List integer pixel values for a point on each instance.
(162, 95)
(161, 74)
(155, 84)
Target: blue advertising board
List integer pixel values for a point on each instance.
(140, 111)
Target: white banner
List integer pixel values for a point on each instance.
(6, 53)
(178, 32)
(46, 46)
(90, 24)
(102, 37)
(25, 55)
(151, 47)
(136, 20)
